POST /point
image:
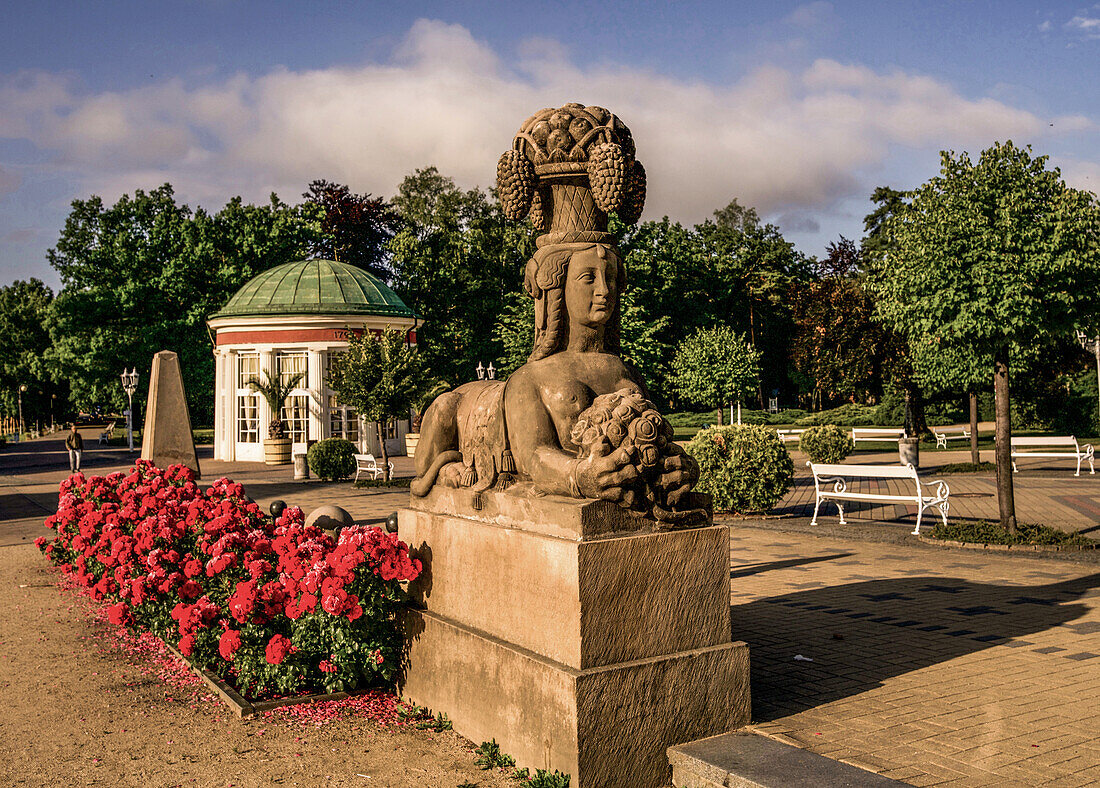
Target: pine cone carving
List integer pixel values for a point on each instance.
(631, 210)
(608, 168)
(515, 184)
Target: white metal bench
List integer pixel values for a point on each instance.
(1052, 446)
(365, 463)
(945, 434)
(788, 436)
(877, 434)
(107, 434)
(831, 483)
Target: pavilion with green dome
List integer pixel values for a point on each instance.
(289, 319)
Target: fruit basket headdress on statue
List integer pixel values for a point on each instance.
(568, 169)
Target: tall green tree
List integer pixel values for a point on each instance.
(715, 366)
(988, 255)
(381, 377)
(24, 316)
(143, 275)
(455, 261)
(838, 344)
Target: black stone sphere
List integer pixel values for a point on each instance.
(391, 523)
(277, 508)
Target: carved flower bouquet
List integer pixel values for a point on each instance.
(626, 419)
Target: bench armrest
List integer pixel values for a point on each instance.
(942, 490)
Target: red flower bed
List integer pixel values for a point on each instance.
(270, 607)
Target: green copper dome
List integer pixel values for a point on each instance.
(315, 287)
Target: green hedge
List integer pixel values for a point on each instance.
(826, 443)
(745, 468)
(332, 459)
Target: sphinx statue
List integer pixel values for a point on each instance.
(574, 420)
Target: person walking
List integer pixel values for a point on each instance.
(75, 444)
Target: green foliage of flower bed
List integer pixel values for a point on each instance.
(404, 481)
(985, 532)
(332, 459)
(269, 607)
(826, 443)
(745, 468)
(968, 467)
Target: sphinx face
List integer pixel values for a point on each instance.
(590, 290)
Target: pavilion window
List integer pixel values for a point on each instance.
(248, 404)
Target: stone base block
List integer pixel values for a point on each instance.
(605, 726)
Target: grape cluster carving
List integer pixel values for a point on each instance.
(585, 140)
(515, 184)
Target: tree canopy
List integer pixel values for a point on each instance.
(715, 366)
(382, 377)
(142, 275)
(986, 256)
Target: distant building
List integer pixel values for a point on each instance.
(294, 318)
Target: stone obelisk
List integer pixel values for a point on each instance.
(166, 438)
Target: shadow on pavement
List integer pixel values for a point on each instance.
(860, 634)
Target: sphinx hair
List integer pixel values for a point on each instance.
(544, 281)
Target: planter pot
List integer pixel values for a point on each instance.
(411, 439)
(277, 451)
(909, 451)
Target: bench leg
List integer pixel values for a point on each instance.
(1092, 470)
(920, 511)
(1078, 466)
(817, 505)
(1014, 468)
(840, 509)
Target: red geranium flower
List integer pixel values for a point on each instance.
(277, 649)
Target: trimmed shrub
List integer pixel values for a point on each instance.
(826, 443)
(332, 459)
(745, 469)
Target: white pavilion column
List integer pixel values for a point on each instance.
(267, 363)
(219, 402)
(228, 394)
(318, 410)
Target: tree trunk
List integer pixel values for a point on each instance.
(918, 422)
(720, 414)
(975, 457)
(1005, 500)
(385, 453)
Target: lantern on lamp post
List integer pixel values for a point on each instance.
(22, 426)
(129, 385)
(485, 372)
(1092, 344)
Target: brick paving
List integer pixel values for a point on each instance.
(931, 666)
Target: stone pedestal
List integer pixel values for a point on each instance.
(579, 637)
(166, 438)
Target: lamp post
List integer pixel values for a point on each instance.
(22, 426)
(1092, 344)
(483, 372)
(129, 384)
(53, 426)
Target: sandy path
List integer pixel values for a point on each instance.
(78, 711)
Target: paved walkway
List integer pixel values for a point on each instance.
(932, 666)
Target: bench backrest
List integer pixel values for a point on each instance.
(892, 431)
(365, 460)
(864, 471)
(1058, 440)
(946, 430)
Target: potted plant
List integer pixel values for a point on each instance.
(275, 393)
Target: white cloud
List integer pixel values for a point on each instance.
(781, 140)
(1086, 26)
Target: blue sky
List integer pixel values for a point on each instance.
(799, 109)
